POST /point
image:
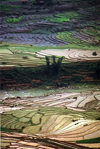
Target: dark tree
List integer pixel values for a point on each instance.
(54, 68)
(98, 69)
(48, 64)
(94, 53)
(56, 65)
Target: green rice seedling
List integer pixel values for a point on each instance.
(44, 119)
(24, 119)
(14, 20)
(36, 119)
(21, 125)
(9, 123)
(6, 51)
(64, 17)
(31, 129)
(30, 114)
(71, 15)
(13, 125)
(7, 119)
(37, 128)
(20, 113)
(58, 20)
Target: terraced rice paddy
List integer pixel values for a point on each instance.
(40, 30)
(49, 111)
(44, 122)
(33, 39)
(71, 54)
(13, 142)
(73, 100)
(51, 121)
(64, 125)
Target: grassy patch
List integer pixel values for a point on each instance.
(94, 140)
(31, 114)
(20, 113)
(14, 20)
(22, 59)
(64, 17)
(75, 43)
(5, 51)
(93, 32)
(24, 119)
(58, 20)
(71, 45)
(36, 119)
(70, 15)
(31, 129)
(93, 114)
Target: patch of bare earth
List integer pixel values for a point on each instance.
(72, 54)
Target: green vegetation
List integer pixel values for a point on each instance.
(76, 43)
(24, 119)
(6, 51)
(68, 36)
(14, 20)
(58, 20)
(6, 129)
(70, 39)
(36, 119)
(94, 140)
(93, 32)
(20, 113)
(93, 114)
(19, 60)
(30, 114)
(43, 117)
(31, 129)
(4, 7)
(21, 47)
(64, 17)
(70, 15)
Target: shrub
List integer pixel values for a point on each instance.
(25, 57)
(94, 53)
